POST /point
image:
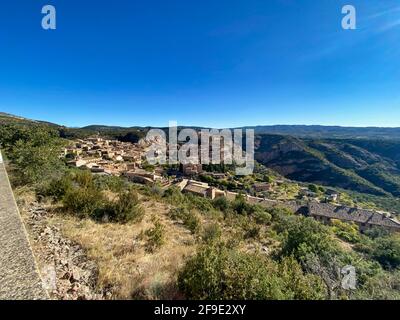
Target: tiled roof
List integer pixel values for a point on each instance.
(352, 214)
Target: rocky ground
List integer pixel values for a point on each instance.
(66, 271)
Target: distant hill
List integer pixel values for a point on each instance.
(315, 131)
(361, 159)
(6, 118)
(364, 165)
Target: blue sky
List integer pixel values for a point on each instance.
(214, 63)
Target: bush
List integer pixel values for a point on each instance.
(279, 212)
(155, 236)
(83, 201)
(112, 183)
(84, 179)
(380, 286)
(188, 217)
(34, 152)
(177, 213)
(304, 236)
(387, 252)
(192, 222)
(220, 203)
(157, 191)
(240, 205)
(57, 188)
(217, 272)
(252, 232)
(211, 233)
(261, 217)
(174, 196)
(376, 232)
(300, 286)
(346, 231)
(202, 204)
(126, 208)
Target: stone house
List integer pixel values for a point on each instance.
(365, 219)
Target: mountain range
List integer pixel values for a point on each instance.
(365, 160)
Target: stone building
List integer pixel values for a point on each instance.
(365, 219)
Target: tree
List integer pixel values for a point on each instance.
(386, 251)
(347, 231)
(34, 152)
(126, 208)
(219, 273)
(304, 236)
(313, 246)
(83, 202)
(223, 273)
(220, 203)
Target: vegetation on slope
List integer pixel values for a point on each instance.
(154, 243)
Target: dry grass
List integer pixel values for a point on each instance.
(126, 268)
(119, 250)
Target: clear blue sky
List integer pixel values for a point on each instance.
(219, 63)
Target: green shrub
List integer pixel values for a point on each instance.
(83, 201)
(346, 231)
(211, 233)
(299, 285)
(157, 191)
(278, 212)
(304, 236)
(220, 203)
(155, 236)
(222, 273)
(112, 183)
(34, 152)
(203, 205)
(188, 217)
(84, 178)
(380, 286)
(57, 188)
(219, 273)
(261, 217)
(177, 213)
(252, 231)
(240, 205)
(387, 252)
(376, 232)
(126, 208)
(174, 196)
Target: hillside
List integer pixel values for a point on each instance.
(105, 237)
(363, 165)
(6, 118)
(367, 165)
(316, 131)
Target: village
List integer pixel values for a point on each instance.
(128, 160)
